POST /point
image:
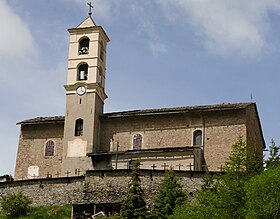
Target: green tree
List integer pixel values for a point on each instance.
(206, 203)
(274, 156)
(239, 168)
(262, 195)
(15, 205)
(205, 206)
(170, 195)
(134, 205)
(224, 196)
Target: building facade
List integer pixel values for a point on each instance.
(194, 138)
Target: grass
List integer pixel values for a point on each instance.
(47, 212)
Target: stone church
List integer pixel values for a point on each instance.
(190, 138)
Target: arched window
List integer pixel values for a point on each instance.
(137, 142)
(102, 51)
(79, 127)
(84, 46)
(83, 72)
(197, 137)
(49, 149)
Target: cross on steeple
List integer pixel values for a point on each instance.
(90, 7)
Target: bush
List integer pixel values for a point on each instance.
(15, 205)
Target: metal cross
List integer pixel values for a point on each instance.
(221, 168)
(90, 7)
(164, 166)
(154, 166)
(190, 165)
(57, 174)
(67, 173)
(77, 172)
(179, 165)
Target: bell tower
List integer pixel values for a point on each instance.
(85, 95)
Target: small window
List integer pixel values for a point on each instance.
(79, 127)
(83, 72)
(84, 46)
(49, 149)
(137, 142)
(197, 137)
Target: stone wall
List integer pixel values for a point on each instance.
(106, 187)
(56, 191)
(220, 130)
(31, 150)
(98, 187)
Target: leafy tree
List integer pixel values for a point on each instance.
(170, 195)
(206, 203)
(15, 205)
(239, 168)
(274, 156)
(205, 206)
(134, 205)
(224, 196)
(262, 195)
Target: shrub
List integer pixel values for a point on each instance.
(15, 205)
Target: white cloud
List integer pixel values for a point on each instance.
(16, 39)
(111, 10)
(227, 27)
(106, 9)
(157, 47)
(146, 26)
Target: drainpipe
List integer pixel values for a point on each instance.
(117, 152)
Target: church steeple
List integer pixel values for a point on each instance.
(85, 94)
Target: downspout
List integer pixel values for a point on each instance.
(203, 144)
(117, 153)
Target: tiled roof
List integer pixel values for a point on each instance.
(40, 120)
(205, 108)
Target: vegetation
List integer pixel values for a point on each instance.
(134, 205)
(229, 195)
(262, 195)
(170, 195)
(46, 212)
(15, 205)
(274, 156)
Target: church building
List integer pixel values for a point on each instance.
(189, 138)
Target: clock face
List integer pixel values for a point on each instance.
(81, 90)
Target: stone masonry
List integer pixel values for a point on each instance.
(97, 187)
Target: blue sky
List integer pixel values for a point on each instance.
(163, 53)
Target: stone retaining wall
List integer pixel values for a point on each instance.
(98, 187)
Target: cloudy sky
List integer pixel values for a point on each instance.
(163, 53)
